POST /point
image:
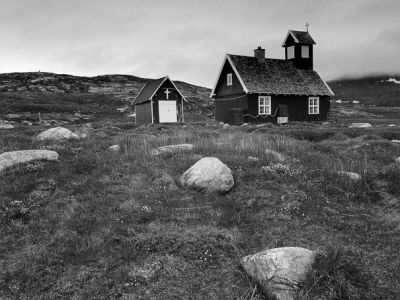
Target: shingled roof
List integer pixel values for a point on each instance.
(150, 88)
(301, 37)
(276, 76)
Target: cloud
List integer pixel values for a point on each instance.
(187, 39)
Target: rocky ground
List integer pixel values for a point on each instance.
(93, 206)
(118, 217)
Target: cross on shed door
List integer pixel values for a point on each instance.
(167, 91)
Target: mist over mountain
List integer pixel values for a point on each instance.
(379, 90)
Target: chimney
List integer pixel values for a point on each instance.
(259, 53)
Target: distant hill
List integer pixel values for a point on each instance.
(41, 92)
(379, 90)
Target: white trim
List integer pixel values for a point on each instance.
(269, 105)
(177, 89)
(183, 118)
(152, 115)
(333, 94)
(287, 35)
(227, 58)
(156, 90)
(315, 110)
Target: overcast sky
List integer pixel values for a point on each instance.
(188, 39)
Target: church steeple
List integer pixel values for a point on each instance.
(299, 48)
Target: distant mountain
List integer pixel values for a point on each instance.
(380, 90)
(118, 89)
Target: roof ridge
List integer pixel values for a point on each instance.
(248, 56)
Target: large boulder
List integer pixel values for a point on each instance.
(10, 159)
(208, 174)
(171, 149)
(279, 271)
(360, 125)
(57, 134)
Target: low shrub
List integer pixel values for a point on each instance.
(336, 274)
(312, 135)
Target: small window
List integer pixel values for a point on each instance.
(313, 105)
(229, 79)
(264, 105)
(305, 51)
(290, 52)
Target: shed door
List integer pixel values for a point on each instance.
(167, 111)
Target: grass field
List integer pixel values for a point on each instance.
(100, 225)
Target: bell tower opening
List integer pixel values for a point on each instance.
(299, 49)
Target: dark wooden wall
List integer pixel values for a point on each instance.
(143, 113)
(297, 108)
(223, 106)
(222, 89)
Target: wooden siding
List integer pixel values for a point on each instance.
(223, 106)
(222, 89)
(143, 113)
(297, 107)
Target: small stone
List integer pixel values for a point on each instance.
(276, 155)
(397, 160)
(253, 158)
(395, 141)
(25, 122)
(350, 175)
(171, 149)
(250, 203)
(115, 148)
(360, 125)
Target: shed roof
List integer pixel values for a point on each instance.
(301, 37)
(276, 76)
(150, 88)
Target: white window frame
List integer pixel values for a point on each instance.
(305, 51)
(290, 52)
(264, 105)
(313, 105)
(229, 79)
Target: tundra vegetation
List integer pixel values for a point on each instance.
(103, 224)
(114, 223)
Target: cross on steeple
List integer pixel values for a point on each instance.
(307, 26)
(167, 93)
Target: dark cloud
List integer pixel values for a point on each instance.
(187, 39)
